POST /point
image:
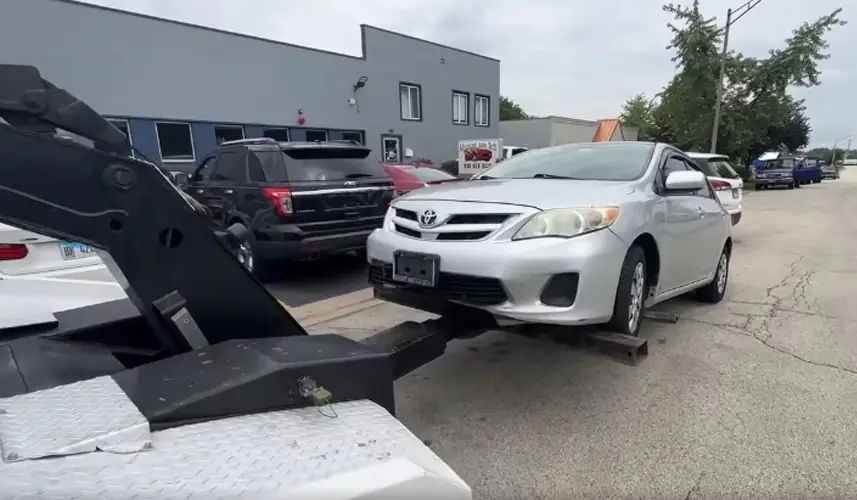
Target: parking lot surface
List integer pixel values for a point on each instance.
(755, 397)
(303, 283)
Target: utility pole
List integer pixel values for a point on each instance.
(730, 20)
(835, 143)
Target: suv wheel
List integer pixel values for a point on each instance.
(244, 254)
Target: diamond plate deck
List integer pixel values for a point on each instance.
(91, 415)
(263, 456)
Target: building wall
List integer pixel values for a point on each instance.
(146, 69)
(555, 130)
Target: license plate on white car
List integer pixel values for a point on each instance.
(71, 250)
(416, 268)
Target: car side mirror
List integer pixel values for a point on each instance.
(685, 181)
(180, 178)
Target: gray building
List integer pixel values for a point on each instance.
(178, 89)
(555, 130)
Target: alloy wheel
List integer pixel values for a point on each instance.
(637, 296)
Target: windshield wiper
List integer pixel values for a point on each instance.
(552, 176)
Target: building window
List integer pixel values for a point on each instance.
(410, 99)
(460, 108)
(175, 141)
(224, 133)
(316, 135)
(481, 110)
(278, 134)
(353, 136)
(125, 128)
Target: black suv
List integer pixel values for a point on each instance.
(300, 199)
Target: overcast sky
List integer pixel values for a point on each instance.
(573, 58)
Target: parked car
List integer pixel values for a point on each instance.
(830, 171)
(300, 199)
(577, 234)
(725, 181)
(775, 173)
(41, 275)
(808, 171)
(406, 178)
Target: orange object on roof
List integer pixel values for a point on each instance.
(605, 130)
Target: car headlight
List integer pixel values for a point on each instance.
(567, 222)
(388, 218)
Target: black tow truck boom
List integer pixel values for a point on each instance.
(199, 338)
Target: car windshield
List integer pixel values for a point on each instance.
(617, 161)
(429, 174)
(772, 164)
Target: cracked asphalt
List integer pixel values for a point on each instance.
(755, 397)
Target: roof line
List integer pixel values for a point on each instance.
(363, 28)
(429, 42)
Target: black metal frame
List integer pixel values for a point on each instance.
(193, 312)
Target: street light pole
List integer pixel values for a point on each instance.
(739, 13)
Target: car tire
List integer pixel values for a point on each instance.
(713, 292)
(758, 187)
(246, 254)
(794, 185)
(631, 294)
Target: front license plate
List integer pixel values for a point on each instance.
(71, 250)
(415, 268)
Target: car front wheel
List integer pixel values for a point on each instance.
(631, 294)
(714, 291)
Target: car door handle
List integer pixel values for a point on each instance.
(700, 211)
(199, 191)
(228, 191)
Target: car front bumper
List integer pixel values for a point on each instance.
(508, 278)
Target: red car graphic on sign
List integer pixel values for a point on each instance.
(477, 154)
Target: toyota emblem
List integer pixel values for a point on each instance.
(428, 218)
(350, 183)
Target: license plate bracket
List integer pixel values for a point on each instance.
(416, 268)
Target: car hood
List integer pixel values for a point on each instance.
(535, 193)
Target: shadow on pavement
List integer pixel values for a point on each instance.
(305, 282)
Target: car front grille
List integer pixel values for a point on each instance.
(474, 290)
(456, 222)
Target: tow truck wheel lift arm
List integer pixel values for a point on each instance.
(201, 338)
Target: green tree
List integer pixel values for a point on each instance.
(758, 113)
(638, 112)
(510, 110)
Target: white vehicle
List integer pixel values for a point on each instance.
(510, 151)
(725, 180)
(39, 274)
(586, 233)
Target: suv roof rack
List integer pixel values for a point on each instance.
(252, 140)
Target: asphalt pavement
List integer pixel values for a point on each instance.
(755, 397)
(304, 283)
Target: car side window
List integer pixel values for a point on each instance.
(230, 167)
(203, 171)
(254, 168)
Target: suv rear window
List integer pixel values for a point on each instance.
(331, 164)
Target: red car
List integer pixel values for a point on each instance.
(406, 178)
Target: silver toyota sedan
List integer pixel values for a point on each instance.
(576, 234)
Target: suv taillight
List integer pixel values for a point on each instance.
(13, 252)
(721, 185)
(282, 199)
